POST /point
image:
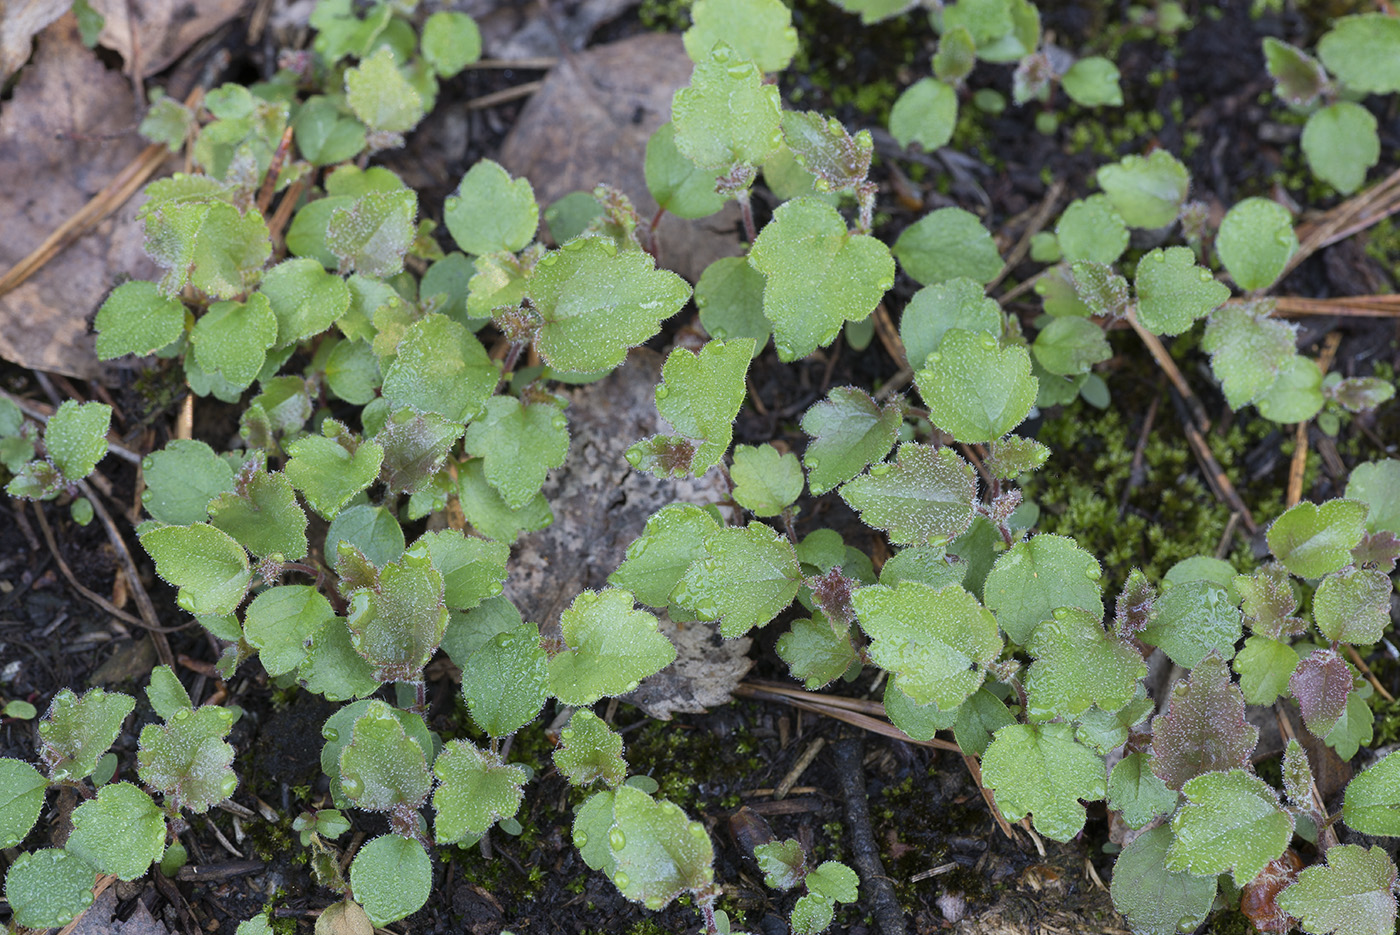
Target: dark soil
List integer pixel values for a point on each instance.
(942, 851)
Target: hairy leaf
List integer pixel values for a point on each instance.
(1204, 729)
(1231, 821)
(1039, 768)
(926, 496)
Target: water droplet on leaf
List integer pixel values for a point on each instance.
(621, 879)
(331, 734)
(1061, 613)
(580, 839)
(988, 341)
(663, 391)
(616, 839)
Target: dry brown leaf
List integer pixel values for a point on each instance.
(66, 133)
(590, 124)
(706, 669)
(164, 28)
(20, 22)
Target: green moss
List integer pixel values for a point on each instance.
(1383, 246)
(1230, 922)
(903, 811)
(665, 15)
(685, 762)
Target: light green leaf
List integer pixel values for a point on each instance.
(816, 651)
(1173, 292)
(595, 302)
(208, 566)
(1298, 77)
(701, 394)
(1146, 192)
(381, 96)
(451, 42)
(766, 481)
(1353, 605)
(475, 790)
(1011, 456)
(976, 390)
(1362, 52)
(1035, 577)
(48, 888)
(231, 339)
(1090, 229)
(746, 578)
(821, 146)
(520, 444)
(1248, 349)
(505, 682)
(956, 55)
(947, 244)
(819, 275)
(729, 296)
(491, 212)
(848, 431)
(77, 730)
(1377, 484)
(925, 497)
(492, 516)
(926, 113)
(1136, 793)
(22, 790)
(120, 832)
(1354, 894)
(305, 298)
(1093, 82)
(392, 877)
(330, 469)
(679, 185)
(1255, 242)
(674, 537)
(397, 624)
(187, 759)
(1039, 768)
(76, 437)
(1296, 396)
(589, 751)
(835, 881)
(612, 647)
(207, 243)
(1356, 726)
(441, 368)
(1312, 540)
(382, 769)
(759, 31)
(811, 914)
(326, 134)
(1102, 731)
(783, 863)
(956, 303)
(1340, 143)
(1264, 665)
(936, 643)
(727, 116)
(166, 694)
(1079, 665)
(978, 719)
(472, 569)
(1155, 900)
(919, 722)
(1070, 346)
(281, 621)
(1372, 801)
(1231, 821)
(1192, 619)
(262, 513)
(371, 530)
(137, 319)
(371, 234)
(658, 852)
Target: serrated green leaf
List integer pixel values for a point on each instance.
(1011, 456)
(331, 469)
(936, 643)
(1353, 894)
(181, 479)
(120, 832)
(1356, 726)
(1298, 77)
(978, 719)
(305, 298)
(726, 116)
(1255, 242)
(441, 368)
(595, 302)
(1093, 82)
(1372, 801)
(506, 682)
(1041, 769)
(382, 769)
(783, 863)
(1090, 229)
(381, 96)
(137, 319)
(1155, 900)
(701, 394)
(48, 888)
(612, 647)
(1377, 484)
(1312, 540)
(816, 651)
(925, 497)
(592, 822)
(1341, 143)
(22, 790)
(919, 722)
(1101, 290)
(1173, 292)
(207, 244)
(674, 537)
(77, 730)
(1361, 52)
(1264, 666)
(1296, 396)
(1078, 665)
(766, 480)
(1146, 192)
(262, 513)
(729, 296)
(492, 516)
(519, 445)
(326, 134)
(491, 212)
(475, 790)
(590, 751)
(759, 31)
(930, 565)
(819, 275)
(745, 579)
(679, 185)
(835, 881)
(391, 877)
(821, 146)
(947, 244)
(1230, 821)
(337, 734)
(1037, 576)
(451, 42)
(467, 632)
(848, 430)
(1136, 793)
(976, 390)
(281, 621)
(208, 566)
(371, 234)
(1070, 346)
(1102, 731)
(231, 339)
(76, 437)
(1353, 605)
(415, 447)
(956, 55)
(811, 914)
(1192, 619)
(472, 569)
(658, 852)
(166, 694)
(397, 624)
(956, 303)
(926, 113)
(1248, 348)
(187, 759)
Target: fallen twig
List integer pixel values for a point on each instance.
(849, 753)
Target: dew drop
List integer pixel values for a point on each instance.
(880, 470)
(494, 588)
(351, 786)
(814, 465)
(1284, 238)
(784, 350)
(559, 421)
(1159, 257)
(1092, 573)
(697, 830)
(719, 334)
(1205, 275)
(637, 549)
(229, 785)
(146, 464)
(654, 903)
(663, 391)
(182, 715)
(938, 542)
(1187, 924)
(720, 54)
(1061, 613)
(616, 839)
(738, 71)
(706, 609)
(634, 457)
(146, 495)
(621, 879)
(580, 839)
(331, 734)
(988, 341)
(933, 358)
(185, 601)
(631, 687)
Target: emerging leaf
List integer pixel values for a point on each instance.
(784, 863)
(746, 578)
(1011, 456)
(397, 622)
(612, 647)
(816, 651)
(1298, 77)
(925, 497)
(261, 513)
(381, 96)
(1268, 602)
(700, 395)
(1204, 729)
(475, 790)
(589, 751)
(1135, 604)
(1039, 768)
(1136, 793)
(824, 148)
(1231, 821)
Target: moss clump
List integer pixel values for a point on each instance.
(694, 767)
(1383, 246)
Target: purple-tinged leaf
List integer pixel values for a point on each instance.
(1268, 602)
(1353, 605)
(1297, 775)
(1204, 729)
(832, 592)
(1135, 604)
(1357, 394)
(1321, 684)
(1378, 550)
